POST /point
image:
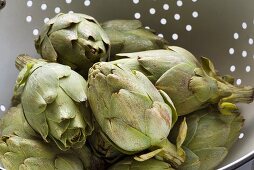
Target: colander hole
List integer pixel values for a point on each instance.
(177, 17)
(147, 27)
(231, 51)
(188, 27)
(244, 53)
(137, 15)
(166, 7)
(232, 68)
(87, 2)
(250, 41)
(29, 3)
(161, 35)
(238, 82)
(163, 21)
(68, 1)
(195, 14)
(135, 1)
(194, 0)
(2, 108)
(241, 135)
(247, 69)
(46, 20)
(236, 35)
(43, 7)
(152, 11)
(244, 25)
(174, 36)
(57, 10)
(28, 19)
(70, 12)
(35, 32)
(179, 3)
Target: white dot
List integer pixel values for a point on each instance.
(135, 1)
(194, 0)
(35, 32)
(46, 20)
(232, 68)
(236, 35)
(238, 82)
(244, 53)
(28, 19)
(241, 135)
(2, 107)
(137, 15)
(161, 35)
(244, 25)
(147, 27)
(231, 51)
(177, 16)
(29, 3)
(57, 10)
(188, 27)
(68, 1)
(163, 21)
(43, 7)
(179, 3)
(152, 11)
(175, 36)
(165, 6)
(87, 2)
(250, 41)
(195, 14)
(247, 68)
(70, 12)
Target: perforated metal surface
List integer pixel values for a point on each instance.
(221, 30)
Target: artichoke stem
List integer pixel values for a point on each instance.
(23, 59)
(243, 94)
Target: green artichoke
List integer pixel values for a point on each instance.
(131, 164)
(27, 154)
(130, 36)
(190, 85)
(210, 135)
(55, 104)
(132, 114)
(76, 40)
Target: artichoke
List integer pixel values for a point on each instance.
(28, 154)
(76, 40)
(190, 85)
(210, 135)
(132, 114)
(54, 102)
(131, 164)
(130, 36)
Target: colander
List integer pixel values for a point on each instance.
(220, 30)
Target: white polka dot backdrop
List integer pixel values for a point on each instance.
(202, 27)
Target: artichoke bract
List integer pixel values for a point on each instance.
(132, 113)
(76, 40)
(191, 85)
(54, 102)
(210, 135)
(131, 164)
(30, 154)
(131, 36)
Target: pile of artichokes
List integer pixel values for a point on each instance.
(116, 96)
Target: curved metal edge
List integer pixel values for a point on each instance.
(239, 162)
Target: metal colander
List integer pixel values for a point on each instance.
(220, 30)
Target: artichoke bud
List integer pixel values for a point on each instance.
(53, 99)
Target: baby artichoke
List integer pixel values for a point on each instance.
(131, 164)
(76, 40)
(132, 114)
(190, 85)
(130, 36)
(210, 135)
(54, 102)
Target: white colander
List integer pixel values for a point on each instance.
(222, 30)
